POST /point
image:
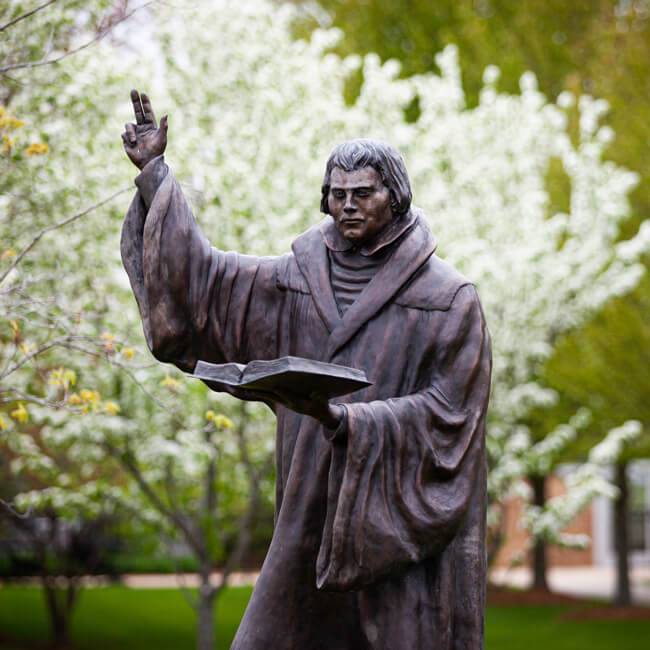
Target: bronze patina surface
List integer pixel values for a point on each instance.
(379, 539)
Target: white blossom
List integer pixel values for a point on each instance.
(253, 117)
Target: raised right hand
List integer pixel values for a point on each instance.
(144, 140)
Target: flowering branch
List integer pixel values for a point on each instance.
(56, 59)
(26, 15)
(126, 460)
(55, 226)
(131, 375)
(28, 357)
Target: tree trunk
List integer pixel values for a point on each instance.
(60, 603)
(539, 545)
(495, 537)
(205, 613)
(623, 597)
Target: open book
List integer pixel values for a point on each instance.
(287, 375)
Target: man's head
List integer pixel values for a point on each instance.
(365, 187)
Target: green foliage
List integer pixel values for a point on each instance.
(154, 563)
(598, 47)
(605, 368)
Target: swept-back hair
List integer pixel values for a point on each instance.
(386, 161)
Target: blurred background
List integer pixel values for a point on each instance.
(136, 506)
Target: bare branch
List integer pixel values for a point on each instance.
(173, 517)
(28, 357)
(67, 341)
(192, 601)
(14, 512)
(246, 520)
(56, 59)
(169, 485)
(18, 394)
(210, 497)
(65, 222)
(129, 372)
(185, 590)
(27, 14)
(10, 356)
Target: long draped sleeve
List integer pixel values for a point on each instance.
(402, 479)
(195, 302)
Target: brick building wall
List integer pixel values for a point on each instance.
(516, 541)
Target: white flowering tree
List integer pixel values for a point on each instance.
(482, 176)
(50, 227)
(253, 116)
(90, 426)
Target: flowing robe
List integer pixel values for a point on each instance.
(379, 539)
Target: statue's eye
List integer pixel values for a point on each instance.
(363, 193)
(338, 194)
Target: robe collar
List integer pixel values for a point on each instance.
(310, 250)
(336, 242)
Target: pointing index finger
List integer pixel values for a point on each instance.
(149, 117)
(137, 107)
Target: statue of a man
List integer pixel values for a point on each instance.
(379, 537)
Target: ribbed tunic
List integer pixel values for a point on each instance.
(350, 272)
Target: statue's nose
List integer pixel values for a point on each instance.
(349, 204)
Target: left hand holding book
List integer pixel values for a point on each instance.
(303, 385)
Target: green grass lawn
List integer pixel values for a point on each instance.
(542, 628)
(117, 618)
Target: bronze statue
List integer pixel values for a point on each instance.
(379, 538)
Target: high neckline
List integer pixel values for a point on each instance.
(335, 241)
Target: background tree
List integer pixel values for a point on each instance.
(249, 150)
(49, 309)
(67, 371)
(64, 327)
(585, 47)
(612, 390)
(61, 554)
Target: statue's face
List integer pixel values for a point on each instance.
(359, 202)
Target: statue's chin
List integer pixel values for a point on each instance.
(353, 235)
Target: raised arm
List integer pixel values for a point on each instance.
(195, 302)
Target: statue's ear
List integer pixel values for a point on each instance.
(394, 203)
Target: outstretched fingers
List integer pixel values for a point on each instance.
(137, 107)
(149, 117)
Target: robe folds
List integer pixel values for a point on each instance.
(379, 539)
